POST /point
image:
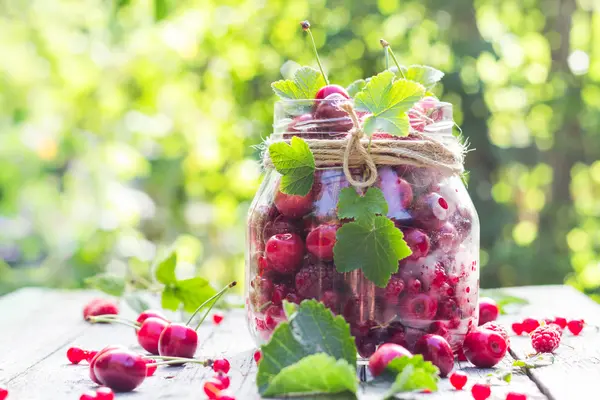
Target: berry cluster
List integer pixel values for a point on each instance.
(528, 325)
(434, 291)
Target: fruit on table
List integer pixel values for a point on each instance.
(484, 348)
(458, 380)
(436, 349)
(488, 310)
(120, 370)
(384, 354)
(149, 333)
(178, 340)
(144, 315)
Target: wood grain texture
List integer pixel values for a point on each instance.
(40, 325)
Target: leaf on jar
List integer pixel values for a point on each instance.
(296, 163)
(353, 205)
(423, 74)
(388, 101)
(356, 87)
(373, 245)
(305, 85)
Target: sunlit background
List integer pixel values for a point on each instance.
(126, 125)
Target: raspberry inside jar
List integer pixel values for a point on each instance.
(291, 239)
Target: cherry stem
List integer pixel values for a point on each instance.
(182, 360)
(388, 49)
(213, 299)
(103, 318)
(312, 39)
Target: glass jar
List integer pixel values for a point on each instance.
(290, 240)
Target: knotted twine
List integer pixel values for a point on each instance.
(359, 152)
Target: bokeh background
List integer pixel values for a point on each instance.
(126, 125)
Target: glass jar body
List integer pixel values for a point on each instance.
(435, 290)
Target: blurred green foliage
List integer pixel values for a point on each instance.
(124, 124)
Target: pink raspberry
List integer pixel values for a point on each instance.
(545, 339)
(314, 279)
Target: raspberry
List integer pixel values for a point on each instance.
(393, 289)
(545, 339)
(576, 326)
(314, 279)
(529, 324)
(496, 327)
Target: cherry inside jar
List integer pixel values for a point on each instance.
(291, 240)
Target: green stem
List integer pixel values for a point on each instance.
(396, 61)
(387, 58)
(317, 55)
(205, 363)
(215, 298)
(99, 318)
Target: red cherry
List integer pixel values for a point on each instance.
(150, 367)
(320, 241)
(178, 340)
(285, 252)
(221, 365)
(75, 355)
(100, 307)
(93, 376)
(516, 396)
(257, 356)
(481, 391)
(330, 89)
(300, 124)
(458, 380)
(150, 313)
(418, 310)
(217, 318)
(86, 396)
(529, 325)
(436, 349)
(293, 206)
(104, 393)
(120, 370)
(576, 326)
(488, 310)
(517, 328)
(383, 355)
(484, 348)
(3, 393)
(418, 242)
(149, 334)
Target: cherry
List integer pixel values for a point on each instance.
(224, 379)
(93, 376)
(460, 354)
(436, 349)
(217, 318)
(481, 391)
(100, 307)
(3, 393)
(383, 355)
(517, 328)
(458, 380)
(560, 321)
(86, 396)
(75, 355)
(320, 241)
(300, 124)
(149, 334)
(418, 310)
(120, 370)
(293, 206)
(529, 325)
(484, 348)
(446, 238)
(213, 387)
(221, 365)
(150, 367)
(285, 252)
(331, 89)
(576, 326)
(496, 327)
(150, 313)
(431, 211)
(178, 340)
(515, 396)
(488, 310)
(418, 242)
(104, 393)
(257, 356)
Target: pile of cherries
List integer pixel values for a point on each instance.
(434, 291)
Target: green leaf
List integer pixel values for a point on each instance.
(353, 205)
(136, 302)
(373, 245)
(165, 269)
(311, 329)
(193, 292)
(356, 87)
(108, 283)
(289, 308)
(169, 300)
(388, 100)
(161, 10)
(317, 373)
(121, 3)
(307, 82)
(424, 74)
(412, 374)
(296, 163)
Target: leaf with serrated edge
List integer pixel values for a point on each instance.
(108, 283)
(412, 379)
(312, 329)
(314, 374)
(353, 205)
(356, 87)
(388, 100)
(193, 292)
(164, 271)
(296, 163)
(373, 245)
(305, 85)
(289, 308)
(424, 74)
(169, 300)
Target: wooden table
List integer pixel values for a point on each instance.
(37, 326)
